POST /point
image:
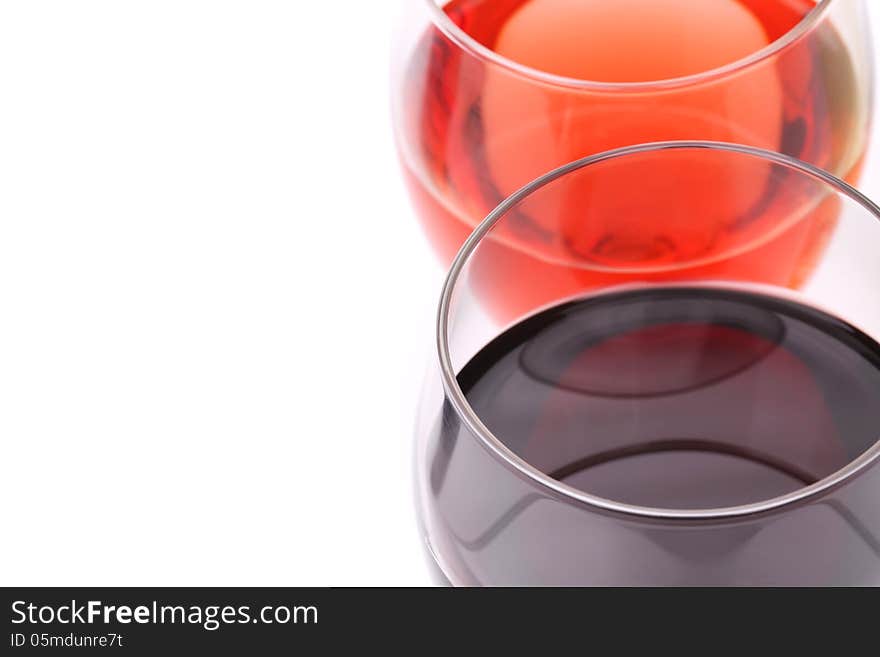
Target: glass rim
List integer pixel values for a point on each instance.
(469, 417)
(445, 24)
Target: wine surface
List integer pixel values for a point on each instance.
(685, 398)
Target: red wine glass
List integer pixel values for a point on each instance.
(692, 420)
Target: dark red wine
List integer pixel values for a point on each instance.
(686, 398)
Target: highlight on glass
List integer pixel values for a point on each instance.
(688, 418)
(490, 94)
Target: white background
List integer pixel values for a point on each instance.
(216, 305)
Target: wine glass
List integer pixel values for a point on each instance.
(489, 94)
(692, 421)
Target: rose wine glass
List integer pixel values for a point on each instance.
(677, 421)
(490, 94)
